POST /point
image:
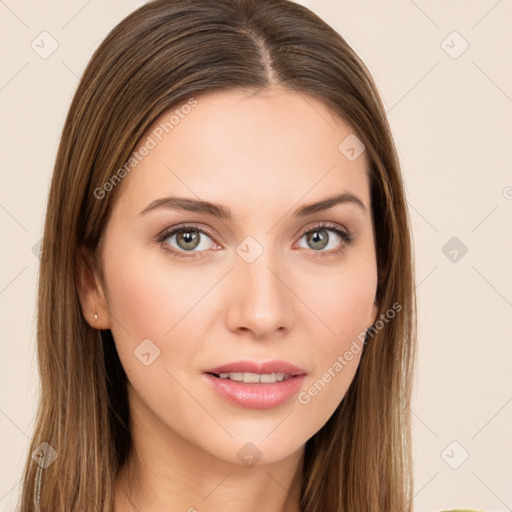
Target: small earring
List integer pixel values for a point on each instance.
(95, 316)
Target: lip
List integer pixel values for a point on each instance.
(248, 366)
(256, 395)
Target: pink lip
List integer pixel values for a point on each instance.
(252, 395)
(248, 366)
(255, 396)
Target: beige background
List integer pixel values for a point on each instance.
(451, 116)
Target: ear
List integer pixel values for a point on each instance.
(374, 311)
(90, 292)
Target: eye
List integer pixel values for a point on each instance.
(182, 241)
(185, 239)
(318, 238)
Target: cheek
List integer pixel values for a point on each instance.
(341, 301)
(146, 302)
(154, 325)
(340, 314)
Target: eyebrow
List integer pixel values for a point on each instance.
(220, 211)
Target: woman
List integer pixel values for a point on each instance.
(226, 310)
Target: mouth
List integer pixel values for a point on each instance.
(253, 378)
(269, 370)
(256, 385)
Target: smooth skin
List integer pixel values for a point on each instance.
(261, 156)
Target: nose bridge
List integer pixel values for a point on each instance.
(259, 300)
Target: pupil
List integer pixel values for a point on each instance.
(319, 237)
(188, 237)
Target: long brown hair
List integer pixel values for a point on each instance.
(158, 57)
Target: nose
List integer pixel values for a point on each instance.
(259, 297)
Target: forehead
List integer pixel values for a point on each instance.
(238, 148)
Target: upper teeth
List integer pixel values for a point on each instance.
(255, 377)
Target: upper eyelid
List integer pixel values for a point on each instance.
(166, 233)
(328, 225)
(332, 226)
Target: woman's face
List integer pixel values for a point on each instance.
(253, 286)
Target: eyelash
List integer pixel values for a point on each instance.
(344, 235)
